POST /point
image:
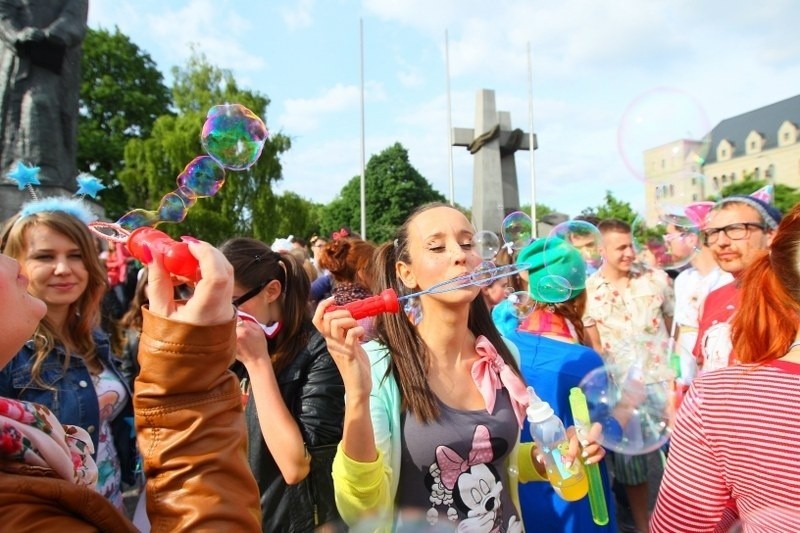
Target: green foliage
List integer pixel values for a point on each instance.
(541, 210)
(122, 94)
(246, 205)
(785, 197)
(297, 216)
(612, 208)
(393, 188)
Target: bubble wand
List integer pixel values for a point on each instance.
(389, 302)
(597, 497)
(233, 136)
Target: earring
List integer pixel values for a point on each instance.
(413, 310)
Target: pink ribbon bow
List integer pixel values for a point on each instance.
(453, 465)
(491, 373)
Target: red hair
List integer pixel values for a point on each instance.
(766, 322)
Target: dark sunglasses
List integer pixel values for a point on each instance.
(250, 294)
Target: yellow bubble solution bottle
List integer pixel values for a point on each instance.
(568, 479)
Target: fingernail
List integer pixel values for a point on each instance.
(188, 238)
(584, 443)
(585, 454)
(147, 255)
(568, 465)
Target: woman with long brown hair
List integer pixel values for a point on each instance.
(433, 408)
(295, 405)
(67, 364)
(738, 427)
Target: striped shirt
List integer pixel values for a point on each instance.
(736, 436)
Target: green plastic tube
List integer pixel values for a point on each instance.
(597, 497)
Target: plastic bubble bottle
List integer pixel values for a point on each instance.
(569, 480)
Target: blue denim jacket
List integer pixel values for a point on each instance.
(71, 395)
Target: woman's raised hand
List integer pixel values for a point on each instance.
(211, 302)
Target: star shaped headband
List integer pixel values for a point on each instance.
(26, 177)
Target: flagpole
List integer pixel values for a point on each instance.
(363, 147)
(449, 119)
(531, 146)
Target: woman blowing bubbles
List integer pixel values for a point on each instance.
(433, 410)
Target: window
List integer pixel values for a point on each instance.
(785, 135)
(658, 193)
(724, 179)
(771, 171)
(672, 190)
(752, 145)
(724, 153)
(694, 197)
(716, 183)
(733, 177)
(694, 180)
(663, 163)
(757, 173)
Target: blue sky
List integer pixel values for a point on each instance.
(599, 70)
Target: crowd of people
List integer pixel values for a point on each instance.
(245, 401)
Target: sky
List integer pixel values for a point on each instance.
(606, 79)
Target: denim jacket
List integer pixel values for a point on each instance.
(71, 395)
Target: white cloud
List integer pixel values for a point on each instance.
(304, 115)
(299, 15)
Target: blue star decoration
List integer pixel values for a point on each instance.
(89, 185)
(24, 175)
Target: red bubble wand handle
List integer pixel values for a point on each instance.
(388, 301)
(142, 242)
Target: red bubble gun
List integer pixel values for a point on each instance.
(385, 302)
(178, 259)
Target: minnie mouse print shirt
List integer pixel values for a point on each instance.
(453, 472)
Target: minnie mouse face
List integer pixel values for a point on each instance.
(477, 493)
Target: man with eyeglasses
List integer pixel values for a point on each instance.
(737, 228)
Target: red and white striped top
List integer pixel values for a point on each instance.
(736, 435)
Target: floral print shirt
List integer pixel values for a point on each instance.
(623, 316)
(111, 397)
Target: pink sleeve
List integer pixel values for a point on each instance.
(693, 493)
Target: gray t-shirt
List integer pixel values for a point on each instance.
(453, 470)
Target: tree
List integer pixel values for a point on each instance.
(394, 188)
(297, 216)
(785, 197)
(612, 208)
(122, 94)
(246, 204)
(541, 210)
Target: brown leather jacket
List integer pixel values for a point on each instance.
(191, 436)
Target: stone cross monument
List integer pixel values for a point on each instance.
(495, 192)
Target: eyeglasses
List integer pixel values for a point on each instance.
(735, 232)
(249, 294)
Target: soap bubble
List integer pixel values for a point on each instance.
(486, 244)
(233, 135)
(203, 177)
(138, 218)
(553, 288)
(483, 275)
(174, 205)
(585, 237)
(633, 397)
(522, 305)
(668, 244)
(668, 119)
(517, 230)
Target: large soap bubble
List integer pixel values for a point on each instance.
(585, 237)
(517, 230)
(486, 244)
(666, 119)
(634, 400)
(671, 242)
(233, 135)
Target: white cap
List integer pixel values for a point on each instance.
(538, 411)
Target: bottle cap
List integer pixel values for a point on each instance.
(538, 411)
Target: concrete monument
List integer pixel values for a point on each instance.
(493, 142)
(40, 55)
